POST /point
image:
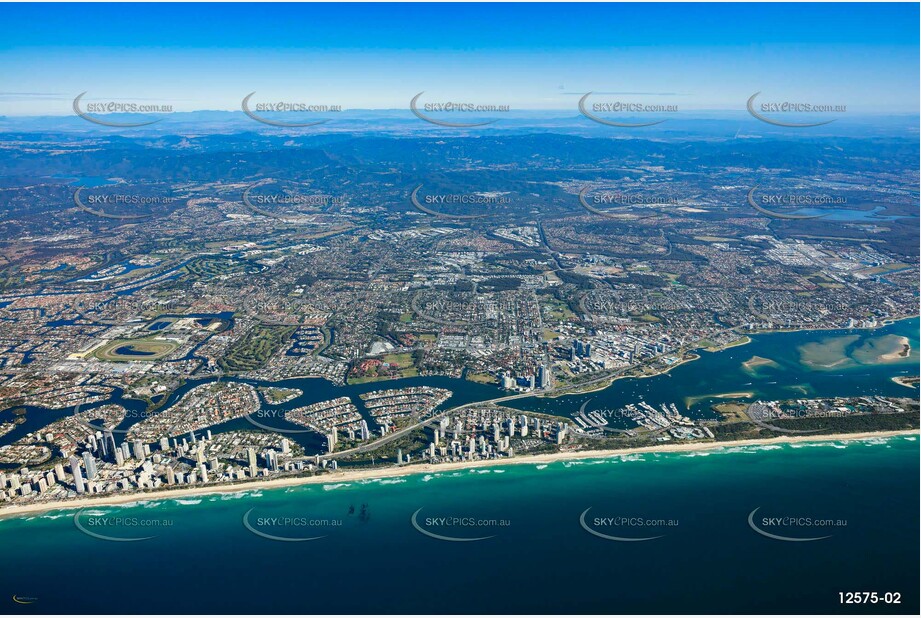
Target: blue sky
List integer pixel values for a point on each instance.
(208, 56)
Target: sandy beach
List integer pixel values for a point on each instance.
(881, 324)
(907, 381)
(903, 351)
(345, 476)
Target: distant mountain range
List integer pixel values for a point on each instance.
(736, 124)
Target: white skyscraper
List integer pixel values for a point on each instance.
(90, 463)
(78, 475)
(271, 460)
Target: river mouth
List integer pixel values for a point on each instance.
(769, 367)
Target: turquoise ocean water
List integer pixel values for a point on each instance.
(534, 554)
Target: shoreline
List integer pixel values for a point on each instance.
(605, 384)
(602, 385)
(734, 344)
(903, 381)
(747, 335)
(345, 476)
(882, 324)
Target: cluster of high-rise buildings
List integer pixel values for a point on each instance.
(542, 378)
(100, 464)
(489, 434)
(364, 433)
(580, 349)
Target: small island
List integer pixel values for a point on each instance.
(275, 396)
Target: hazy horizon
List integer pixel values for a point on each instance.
(378, 57)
